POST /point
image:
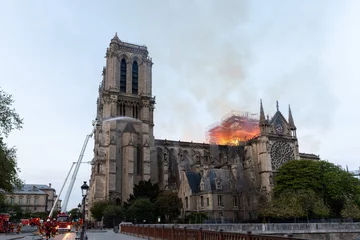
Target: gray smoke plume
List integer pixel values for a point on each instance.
(221, 59)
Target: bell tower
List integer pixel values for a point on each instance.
(125, 108)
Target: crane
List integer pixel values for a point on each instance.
(73, 178)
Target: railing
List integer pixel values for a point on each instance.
(155, 232)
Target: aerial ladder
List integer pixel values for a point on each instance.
(73, 178)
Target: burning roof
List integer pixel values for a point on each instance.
(233, 128)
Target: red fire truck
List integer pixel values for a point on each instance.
(34, 221)
(4, 217)
(63, 222)
(25, 221)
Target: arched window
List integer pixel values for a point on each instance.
(123, 76)
(138, 160)
(135, 77)
(98, 168)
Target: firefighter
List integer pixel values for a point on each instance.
(41, 227)
(76, 226)
(54, 225)
(6, 226)
(48, 229)
(18, 228)
(12, 227)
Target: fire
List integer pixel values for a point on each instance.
(233, 129)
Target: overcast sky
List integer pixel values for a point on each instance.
(210, 57)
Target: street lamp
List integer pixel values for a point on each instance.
(84, 191)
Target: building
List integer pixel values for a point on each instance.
(34, 197)
(222, 178)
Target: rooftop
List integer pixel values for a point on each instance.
(33, 189)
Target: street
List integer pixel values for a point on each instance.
(92, 235)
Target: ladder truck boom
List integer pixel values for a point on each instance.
(73, 178)
(56, 200)
(77, 166)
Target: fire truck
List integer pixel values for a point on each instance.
(34, 222)
(25, 221)
(4, 217)
(63, 222)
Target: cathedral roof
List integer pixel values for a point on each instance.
(194, 181)
(224, 175)
(278, 116)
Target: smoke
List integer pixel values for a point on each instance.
(227, 55)
(204, 47)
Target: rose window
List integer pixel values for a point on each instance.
(280, 153)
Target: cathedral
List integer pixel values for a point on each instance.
(218, 179)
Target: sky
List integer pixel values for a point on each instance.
(210, 58)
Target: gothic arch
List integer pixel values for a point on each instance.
(137, 59)
(125, 56)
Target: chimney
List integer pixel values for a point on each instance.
(34, 188)
(49, 185)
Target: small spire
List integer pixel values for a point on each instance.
(262, 115)
(277, 105)
(291, 120)
(116, 38)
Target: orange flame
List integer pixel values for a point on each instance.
(233, 130)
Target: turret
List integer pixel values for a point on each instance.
(263, 122)
(291, 123)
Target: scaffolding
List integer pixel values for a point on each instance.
(233, 128)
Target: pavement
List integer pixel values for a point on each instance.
(92, 235)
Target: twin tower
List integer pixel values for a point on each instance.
(122, 147)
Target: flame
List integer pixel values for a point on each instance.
(233, 129)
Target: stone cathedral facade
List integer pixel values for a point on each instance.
(219, 180)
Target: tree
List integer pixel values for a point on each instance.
(113, 214)
(15, 211)
(144, 189)
(75, 213)
(9, 120)
(195, 218)
(142, 209)
(27, 213)
(295, 204)
(168, 205)
(9, 180)
(329, 182)
(350, 210)
(97, 210)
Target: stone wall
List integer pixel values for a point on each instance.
(319, 230)
(329, 236)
